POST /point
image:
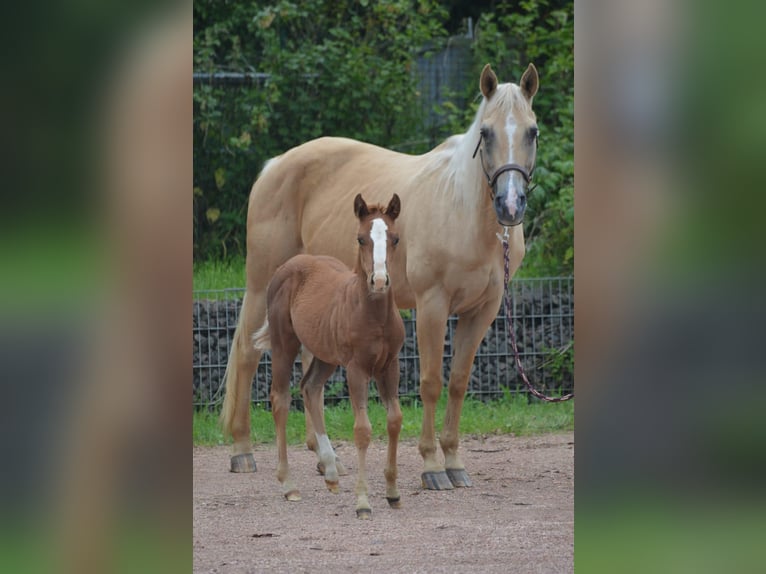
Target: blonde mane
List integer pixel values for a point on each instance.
(452, 164)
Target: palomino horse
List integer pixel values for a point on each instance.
(455, 200)
(342, 318)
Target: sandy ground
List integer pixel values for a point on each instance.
(518, 517)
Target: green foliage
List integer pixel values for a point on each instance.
(339, 68)
(510, 414)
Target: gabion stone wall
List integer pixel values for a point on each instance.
(543, 320)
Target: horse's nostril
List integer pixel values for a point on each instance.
(522, 199)
(388, 280)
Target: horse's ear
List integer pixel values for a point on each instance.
(529, 82)
(360, 206)
(488, 82)
(394, 207)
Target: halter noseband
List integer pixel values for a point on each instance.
(492, 179)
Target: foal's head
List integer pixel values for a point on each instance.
(377, 240)
(508, 141)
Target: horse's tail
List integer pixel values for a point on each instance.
(231, 387)
(261, 339)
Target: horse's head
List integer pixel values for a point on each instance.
(377, 239)
(508, 141)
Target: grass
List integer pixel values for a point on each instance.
(511, 414)
(219, 274)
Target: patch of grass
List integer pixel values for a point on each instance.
(511, 414)
(226, 274)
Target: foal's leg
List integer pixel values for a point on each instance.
(358, 382)
(432, 314)
(312, 386)
(311, 436)
(282, 356)
(470, 330)
(388, 388)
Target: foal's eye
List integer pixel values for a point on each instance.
(395, 241)
(360, 240)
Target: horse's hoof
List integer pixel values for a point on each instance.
(341, 469)
(338, 465)
(293, 496)
(244, 462)
(394, 502)
(436, 480)
(333, 486)
(459, 477)
(364, 513)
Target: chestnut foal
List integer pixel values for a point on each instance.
(346, 318)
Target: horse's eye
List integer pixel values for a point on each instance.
(360, 240)
(534, 133)
(395, 241)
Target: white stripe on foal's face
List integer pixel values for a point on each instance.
(379, 241)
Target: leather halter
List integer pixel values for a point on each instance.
(492, 179)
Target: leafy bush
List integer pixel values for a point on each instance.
(340, 68)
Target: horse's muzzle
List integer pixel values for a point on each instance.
(510, 217)
(379, 283)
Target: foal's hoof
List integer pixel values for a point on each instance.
(394, 502)
(459, 477)
(293, 496)
(364, 513)
(338, 465)
(333, 486)
(244, 462)
(436, 480)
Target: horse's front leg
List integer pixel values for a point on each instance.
(358, 381)
(471, 328)
(432, 314)
(388, 388)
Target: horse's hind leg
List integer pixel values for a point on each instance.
(358, 382)
(282, 362)
(388, 387)
(311, 436)
(242, 363)
(312, 387)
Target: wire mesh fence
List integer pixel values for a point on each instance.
(543, 320)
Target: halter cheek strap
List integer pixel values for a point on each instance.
(492, 179)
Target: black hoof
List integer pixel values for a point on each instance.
(243, 462)
(364, 513)
(459, 477)
(394, 502)
(436, 481)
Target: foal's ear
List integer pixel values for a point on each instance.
(360, 206)
(529, 82)
(488, 82)
(394, 207)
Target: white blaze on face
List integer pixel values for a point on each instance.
(511, 196)
(379, 241)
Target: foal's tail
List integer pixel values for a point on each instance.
(261, 339)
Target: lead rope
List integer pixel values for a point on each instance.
(509, 324)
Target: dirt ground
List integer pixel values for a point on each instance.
(518, 517)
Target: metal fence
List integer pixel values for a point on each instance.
(543, 322)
